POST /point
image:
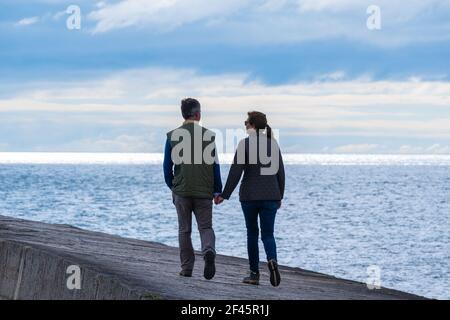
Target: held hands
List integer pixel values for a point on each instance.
(218, 199)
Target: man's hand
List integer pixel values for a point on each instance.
(218, 199)
(279, 204)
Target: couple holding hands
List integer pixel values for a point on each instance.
(195, 184)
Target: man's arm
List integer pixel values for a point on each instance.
(168, 164)
(217, 179)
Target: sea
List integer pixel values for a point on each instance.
(343, 215)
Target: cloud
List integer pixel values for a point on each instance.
(101, 4)
(121, 143)
(325, 5)
(433, 149)
(354, 148)
(370, 148)
(162, 85)
(333, 76)
(149, 100)
(408, 110)
(3, 146)
(358, 106)
(27, 21)
(160, 14)
(246, 21)
(273, 5)
(59, 14)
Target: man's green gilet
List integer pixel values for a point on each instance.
(194, 178)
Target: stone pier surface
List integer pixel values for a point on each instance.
(35, 256)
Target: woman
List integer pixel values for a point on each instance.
(260, 193)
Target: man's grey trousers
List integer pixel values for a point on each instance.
(202, 209)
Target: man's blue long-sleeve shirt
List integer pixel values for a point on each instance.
(168, 170)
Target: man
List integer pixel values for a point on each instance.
(192, 172)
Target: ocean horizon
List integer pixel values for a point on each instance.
(225, 158)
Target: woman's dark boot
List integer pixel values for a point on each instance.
(275, 278)
(253, 278)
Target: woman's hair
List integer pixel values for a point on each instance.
(259, 120)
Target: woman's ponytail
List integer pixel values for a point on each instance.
(268, 131)
(259, 121)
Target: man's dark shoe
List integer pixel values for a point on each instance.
(253, 278)
(275, 278)
(210, 266)
(184, 273)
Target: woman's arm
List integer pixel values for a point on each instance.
(281, 176)
(237, 167)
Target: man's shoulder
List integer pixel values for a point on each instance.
(205, 130)
(209, 131)
(169, 134)
(190, 126)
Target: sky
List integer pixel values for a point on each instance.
(328, 80)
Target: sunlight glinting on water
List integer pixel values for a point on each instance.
(157, 158)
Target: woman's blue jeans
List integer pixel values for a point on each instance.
(266, 210)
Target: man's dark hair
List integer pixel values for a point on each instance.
(189, 107)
